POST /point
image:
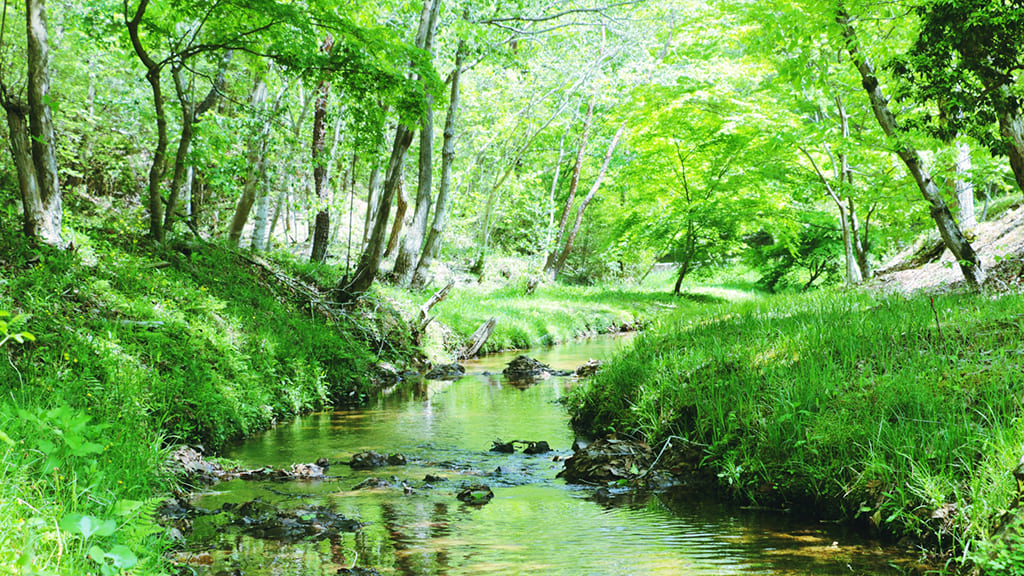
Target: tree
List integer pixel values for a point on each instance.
(321, 230)
(255, 160)
(406, 259)
(33, 145)
(950, 232)
(965, 61)
(369, 262)
(432, 245)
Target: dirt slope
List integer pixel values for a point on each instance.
(1000, 243)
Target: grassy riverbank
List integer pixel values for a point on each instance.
(134, 349)
(885, 410)
(558, 313)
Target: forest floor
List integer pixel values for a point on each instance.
(925, 266)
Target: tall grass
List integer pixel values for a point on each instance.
(846, 404)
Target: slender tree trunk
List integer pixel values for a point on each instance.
(964, 186)
(372, 202)
(951, 234)
(49, 209)
(550, 264)
(433, 243)
(259, 229)
(548, 246)
(417, 227)
(190, 113)
(590, 196)
(402, 205)
(414, 235)
(256, 159)
(860, 240)
(278, 209)
(853, 271)
(159, 165)
(369, 262)
(321, 231)
(34, 214)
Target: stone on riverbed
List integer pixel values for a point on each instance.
(369, 460)
(588, 368)
(608, 460)
(452, 371)
(526, 370)
(262, 520)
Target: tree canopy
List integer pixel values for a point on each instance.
(591, 138)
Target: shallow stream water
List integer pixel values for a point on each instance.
(535, 523)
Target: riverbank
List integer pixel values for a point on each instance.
(901, 414)
(132, 349)
(550, 313)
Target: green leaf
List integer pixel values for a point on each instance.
(122, 556)
(87, 526)
(4, 437)
(126, 507)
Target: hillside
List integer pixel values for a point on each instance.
(926, 266)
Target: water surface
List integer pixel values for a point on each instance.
(535, 524)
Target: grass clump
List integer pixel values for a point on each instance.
(851, 405)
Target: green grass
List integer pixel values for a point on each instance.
(853, 406)
(553, 314)
(137, 349)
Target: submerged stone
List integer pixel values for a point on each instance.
(452, 371)
(477, 494)
(368, 460)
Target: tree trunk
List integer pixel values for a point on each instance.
(859, 238)
(406, 259)
(550, 264)
(402, 205)
(21, 152)
(369, 262)
(159, 165)
(49, 211)
(590, 196)
(951, 234)
(278, 208)
(372, 202)
(964, 186)
(548, 246)
(259, 229)
(322, 227)
(256, 159)
(432, 246)
(189, 116)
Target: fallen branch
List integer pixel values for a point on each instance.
(438, 296)
(479, 338)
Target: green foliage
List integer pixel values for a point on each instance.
(854, 406)
(813, 254)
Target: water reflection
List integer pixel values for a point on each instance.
(535, 523)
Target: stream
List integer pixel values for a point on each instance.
(534, 524)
